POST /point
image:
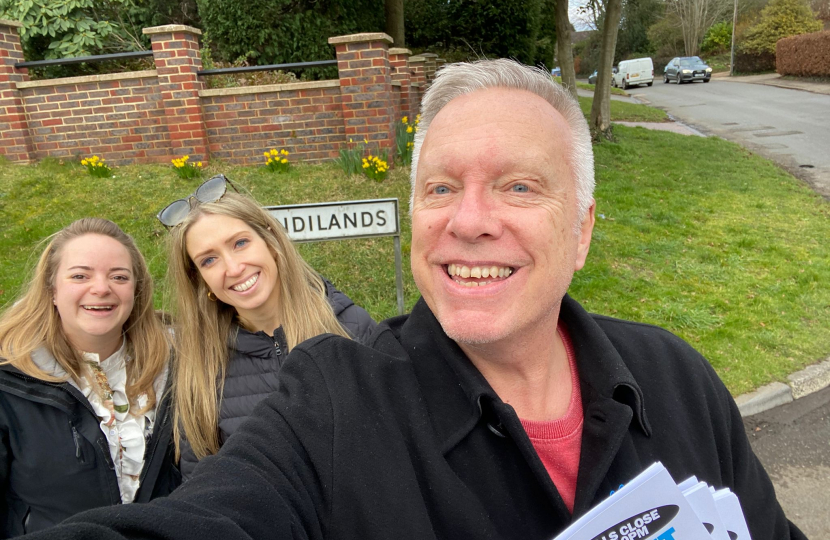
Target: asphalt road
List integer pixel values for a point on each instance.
(790, 127)
(793, 443)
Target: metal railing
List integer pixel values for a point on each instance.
(270, 67)
(82, 59)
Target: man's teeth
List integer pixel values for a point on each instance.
(247, 285)
(478, 272)
(98, 308)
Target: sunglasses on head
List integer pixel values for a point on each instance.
(211, 190)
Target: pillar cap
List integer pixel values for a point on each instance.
(398, 50)
(168, 28)
(13, 24)
(361, 38)
(429, 55)
(417, 58)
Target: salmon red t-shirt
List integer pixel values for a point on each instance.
(559, 441)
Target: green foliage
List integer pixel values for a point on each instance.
(69, 28)
(351, 157)
(780, 19)
(637, 17)
(283, 31)
(469, 29)
(666, 38)
(718, 38)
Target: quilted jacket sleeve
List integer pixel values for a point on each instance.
(356, 320)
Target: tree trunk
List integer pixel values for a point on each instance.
(601, 108)
(394, 21)
(564, 50)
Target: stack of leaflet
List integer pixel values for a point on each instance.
(653, 507)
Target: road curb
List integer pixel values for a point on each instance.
(801, 383)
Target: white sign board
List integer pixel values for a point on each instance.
(338, 220)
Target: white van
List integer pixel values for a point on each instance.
(634, 73)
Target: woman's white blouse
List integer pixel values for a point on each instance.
(127, 433)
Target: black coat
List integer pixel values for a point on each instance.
(55, 460)
(256, 358)
(408, 440)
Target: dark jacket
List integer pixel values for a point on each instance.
(55, 461)
(408, 440)
(256, 358)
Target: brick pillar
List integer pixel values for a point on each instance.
(366, 87)
(15, 138)
(176, 54)
(418, 82)
(399, 63)
(429, 65)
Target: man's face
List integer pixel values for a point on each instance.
(494, 194)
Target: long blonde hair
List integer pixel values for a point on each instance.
(33, 321)
(205, 329)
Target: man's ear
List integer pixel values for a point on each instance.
(586, 229)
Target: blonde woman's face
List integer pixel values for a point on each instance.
(236, 264)
(94, 292)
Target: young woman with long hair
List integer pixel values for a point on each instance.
(83, 368)
(244, 297)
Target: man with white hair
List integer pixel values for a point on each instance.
(498, 408)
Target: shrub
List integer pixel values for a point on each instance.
(780, 19)
(718, 39)
(807, 55)
(282, 31)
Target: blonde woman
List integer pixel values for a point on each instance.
(83, 366)
(245, 297)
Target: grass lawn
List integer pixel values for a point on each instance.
(696, 235)
(614, 90)
(631, 112)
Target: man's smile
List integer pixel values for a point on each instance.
(461, 273)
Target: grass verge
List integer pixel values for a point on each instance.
(628, 112)
(696, 235)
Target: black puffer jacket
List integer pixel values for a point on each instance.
(257, 357)
(55, 461)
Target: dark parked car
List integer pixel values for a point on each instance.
(685, 69)
(592, 78)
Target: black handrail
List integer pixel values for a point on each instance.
(246, 69)
(81, 59)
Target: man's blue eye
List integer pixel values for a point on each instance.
(520, 188)
(442, 190)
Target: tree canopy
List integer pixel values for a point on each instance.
(780, 19)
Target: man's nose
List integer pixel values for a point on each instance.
(475, 217)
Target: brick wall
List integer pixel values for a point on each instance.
(118, 116)
(304, 118)
(156, 115)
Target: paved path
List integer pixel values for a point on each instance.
(793, 443)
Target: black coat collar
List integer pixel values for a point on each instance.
(458, 396)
